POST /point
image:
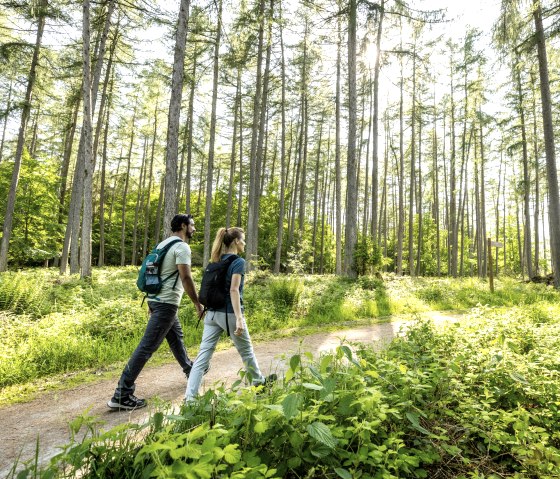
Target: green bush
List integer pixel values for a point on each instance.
(285, 291)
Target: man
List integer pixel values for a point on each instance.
(163, 322)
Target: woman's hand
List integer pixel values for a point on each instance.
(239, 326)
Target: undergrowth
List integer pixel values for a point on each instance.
(479, 399)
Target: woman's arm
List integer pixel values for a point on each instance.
(236, 303)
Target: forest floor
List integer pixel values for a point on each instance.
(46, 418)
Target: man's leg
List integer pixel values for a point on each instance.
(177, 345)
(161, 320)
(210, 337)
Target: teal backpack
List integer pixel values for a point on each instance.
(149, 277)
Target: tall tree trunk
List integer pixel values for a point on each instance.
(254, 173)
(89, 160)
(229, 209)
(548, 126)
(337, 160)
(210, 167)
(126, 182)
(172, 144)
(139, 195)
(101, 254)
(400, 234)
(190, 119)
(453, 237)
(315, 195)
(526, 180)
(283, 169)
(149, 190)
(375, 144)
(10, 206)
(537, 173)
(351, 233)
(412, 184)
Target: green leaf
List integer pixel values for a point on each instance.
(342, 473)
(232, 455)
(295, 361)
(289, 374)
(291, 405)
(203, 470)
(316, 387)
(347, 352)
(320, 432)
(326, 361)
(414, 420)
(261, 427)
(321, 451)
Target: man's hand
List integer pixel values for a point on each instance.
(199, 309)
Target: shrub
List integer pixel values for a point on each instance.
(285, 291)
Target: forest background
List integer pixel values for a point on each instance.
(346, 137)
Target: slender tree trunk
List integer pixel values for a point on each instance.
(537, 174)
(316, 195)
(229, 210)
(283, 169)
(172, 144)
(350, 237)
(101, 254)
(375, 147)
(526, 180)
(125, 193)
(10, 206)
(400, 235)
(139, 194)
(254, 172)
(150, 180)
(337, 165)
(412, 184)
(548, 125)
(89, 161)
(453, 237)
(210, 170)
(190, 120)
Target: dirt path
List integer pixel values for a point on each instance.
(47, 416)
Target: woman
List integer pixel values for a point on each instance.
(229, 241)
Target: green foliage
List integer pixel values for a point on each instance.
(286, 291)
(480, 398)
(35, 226)
(367, 256)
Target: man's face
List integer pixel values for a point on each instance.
(190, 229)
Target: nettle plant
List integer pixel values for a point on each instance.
(476, 400)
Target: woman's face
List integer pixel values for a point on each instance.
(240, 243)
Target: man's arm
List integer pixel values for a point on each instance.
(188, 285)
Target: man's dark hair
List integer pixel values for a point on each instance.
(178, 220)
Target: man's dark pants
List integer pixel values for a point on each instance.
(163, 324)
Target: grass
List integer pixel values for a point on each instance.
(62, 330)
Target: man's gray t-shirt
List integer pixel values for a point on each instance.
(179, 253)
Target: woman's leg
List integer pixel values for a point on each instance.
(210, 337)
(245, 348)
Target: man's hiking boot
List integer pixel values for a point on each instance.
(127, 403)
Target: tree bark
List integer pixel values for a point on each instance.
(210, 166)
(172, 144)
(351, 233)
(551, 167)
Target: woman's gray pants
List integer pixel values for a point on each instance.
(214, 326)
